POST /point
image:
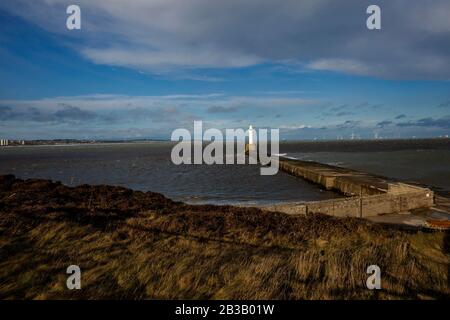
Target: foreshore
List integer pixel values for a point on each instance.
(141, 245)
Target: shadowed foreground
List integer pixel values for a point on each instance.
(135, 245)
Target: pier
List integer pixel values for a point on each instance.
(366, 194)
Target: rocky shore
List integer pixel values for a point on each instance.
(136, 245)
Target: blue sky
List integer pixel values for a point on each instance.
(145, 68)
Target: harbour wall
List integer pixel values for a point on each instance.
(367, 195)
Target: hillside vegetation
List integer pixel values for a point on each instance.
(136, 245)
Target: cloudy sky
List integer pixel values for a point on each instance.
(142, 68)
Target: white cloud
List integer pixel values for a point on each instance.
(341, 65)
(294, 127)
(168, 60)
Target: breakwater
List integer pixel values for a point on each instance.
(367, 195)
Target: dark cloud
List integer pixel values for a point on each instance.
(349, 124)
(344, 113)
(24, 114)
(338, 111)
(71, 113)
(362, 105)
(443, 122)
(66, 114)
(445, 104)
(400, 116)
(346, 110)
(220, 109)
(384, 123)
(6, 113)
(339, 108)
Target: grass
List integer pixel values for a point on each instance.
(135, 245)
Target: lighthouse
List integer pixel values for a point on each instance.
(251, 139)
(250, 135)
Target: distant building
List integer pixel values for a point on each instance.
(4, 142)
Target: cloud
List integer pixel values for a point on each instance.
(213, 102)
(294, 127)
(339, 108)
(445, 104)
(384, 123)
(68, 113)
(65, 114)
(400, 116)
(340, 65)
(121, 116)
(344, 113)
(219, 109)
(168, 60)
(105, 115)
(443, 122)
(338, 111)
(349, 124)
(362, 105)
(172, 36)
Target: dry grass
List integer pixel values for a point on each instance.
(134, 245)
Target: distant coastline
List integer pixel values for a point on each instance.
(63, 142)
(437, 141)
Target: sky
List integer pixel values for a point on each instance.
(141, 69)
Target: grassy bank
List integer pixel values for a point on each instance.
(135, 245)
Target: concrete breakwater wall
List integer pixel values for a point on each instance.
(360, 206)
(346, 181)
(368, 195)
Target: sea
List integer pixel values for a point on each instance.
(147, 166)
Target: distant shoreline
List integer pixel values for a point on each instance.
(438, 141)
(69, 142)
(86, 144)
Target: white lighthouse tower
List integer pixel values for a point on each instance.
(251, 139)
(250, 135)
